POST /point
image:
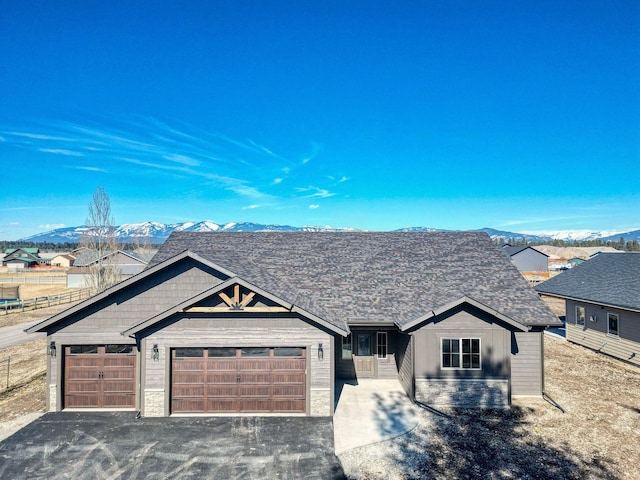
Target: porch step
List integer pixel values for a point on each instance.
(387, 367)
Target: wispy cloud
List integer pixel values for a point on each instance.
(61, 151)
(314, 206)
(243, 167)
(315, 192)
(250, 207)
(51, 226)
(89, 169)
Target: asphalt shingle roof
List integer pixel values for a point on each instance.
(363, 277)
(608, 279)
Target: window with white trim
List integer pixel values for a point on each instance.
(612, 324)
(581, 315)
(346, 347)
(460, 353)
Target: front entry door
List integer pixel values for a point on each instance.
(364, 344)
(364, 362)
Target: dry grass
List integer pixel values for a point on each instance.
(26, 392)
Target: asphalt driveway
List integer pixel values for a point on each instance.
(117, 445)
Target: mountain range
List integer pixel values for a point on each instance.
(155, 232)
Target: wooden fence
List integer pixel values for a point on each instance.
(40, 280)
(10, 306)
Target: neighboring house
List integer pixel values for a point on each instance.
(126, 263)
(65, 260)
(602, 303)
(527, 259)
(575, 261)
(23, 257)
(267, 322)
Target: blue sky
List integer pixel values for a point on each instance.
(516, 115)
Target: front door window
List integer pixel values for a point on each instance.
(364, 344)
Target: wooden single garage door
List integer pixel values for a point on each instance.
(234, 380)
(100, 376)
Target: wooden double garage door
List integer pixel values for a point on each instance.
(99, 376)
(238, 380)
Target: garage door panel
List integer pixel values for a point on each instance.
(263, 380)
(255, 405)
(288, 377)
(289, 391)
(223, 391)
(222, 378)
(195, 405)
(288, 364)
(219, 405)
(95, 378)
(288, 406)
(230, 364)
(81, 401)
(253, 377)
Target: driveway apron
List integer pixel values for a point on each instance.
(117, 445)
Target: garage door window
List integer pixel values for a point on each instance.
(222, 352)
(122, 349)
(255, 352)
(287, 352)
(189, 352)
(83, 349)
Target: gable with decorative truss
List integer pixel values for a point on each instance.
(236, 298)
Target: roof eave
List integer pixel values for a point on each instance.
(468, 300)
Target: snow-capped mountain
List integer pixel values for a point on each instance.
(155, 232)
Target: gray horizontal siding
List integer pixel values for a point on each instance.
(526, 363)
(601, 342)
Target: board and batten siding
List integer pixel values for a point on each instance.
(235, 332)
(593, 335)
(527, 363)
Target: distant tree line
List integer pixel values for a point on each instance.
(43, 246)
(621, 244)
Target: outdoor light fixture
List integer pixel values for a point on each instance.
(52, 349)
(320, 352)
(155, 353)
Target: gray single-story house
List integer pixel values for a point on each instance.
(127, 264)
(527, 259)
(265, 323)
(602, 298)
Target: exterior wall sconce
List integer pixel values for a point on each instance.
(52, 349)
(320, 352)
(155, 353)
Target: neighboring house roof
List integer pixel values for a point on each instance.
(31, 250)
(371, 278)
(611, 279)
(511, 251)
(22, 259)
(88, 257)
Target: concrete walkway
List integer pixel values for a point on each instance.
(370, 411)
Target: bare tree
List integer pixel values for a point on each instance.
(100, 242)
